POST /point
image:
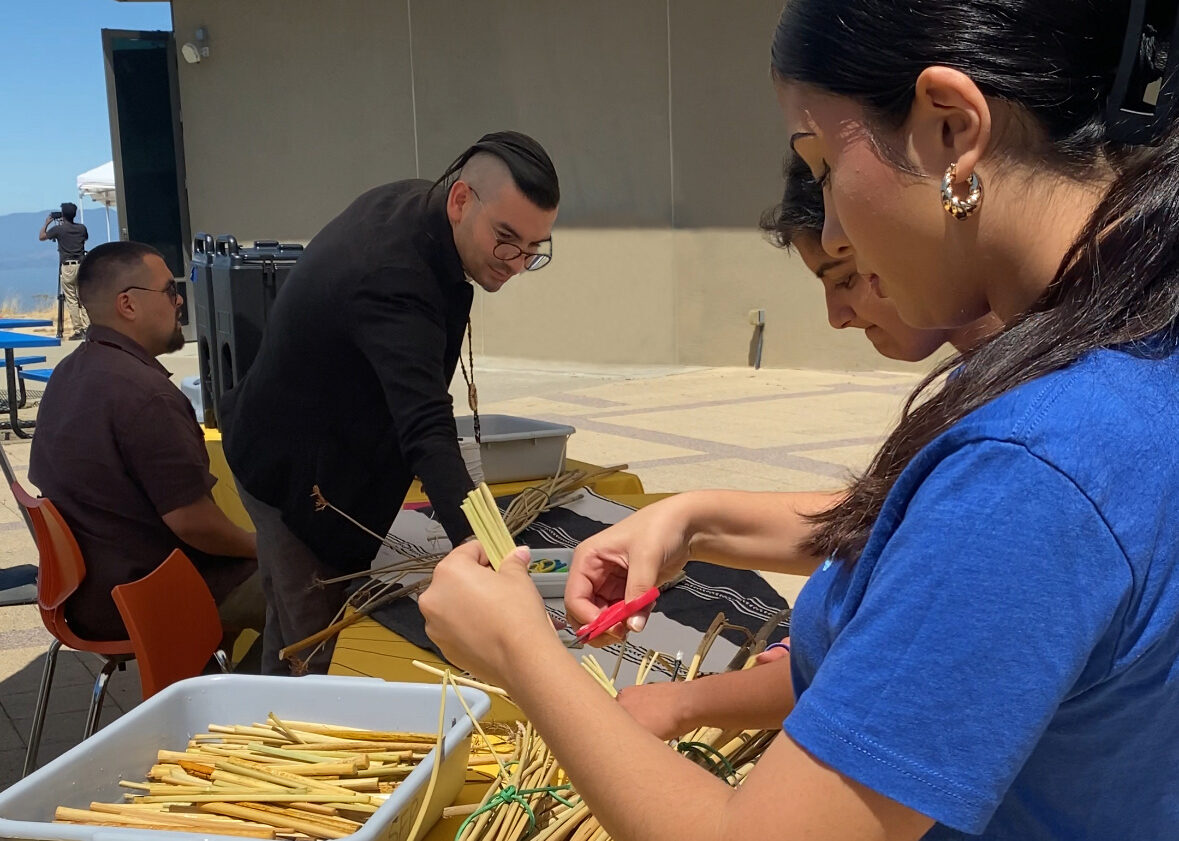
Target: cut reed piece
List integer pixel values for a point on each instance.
(705, 645)
(591, 665)
(315, 829)
(151, 821)
(183, 820)
(278, 722)
(464, 681)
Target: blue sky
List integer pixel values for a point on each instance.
(53, 114)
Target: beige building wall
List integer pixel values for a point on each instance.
(659, 115)
(668, 297)
(297, 110)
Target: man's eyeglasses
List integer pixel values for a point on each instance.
(171, 290)
(509, 251)
(534, 260)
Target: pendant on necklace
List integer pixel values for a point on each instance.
(472, 397)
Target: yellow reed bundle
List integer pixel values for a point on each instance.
(488, 524)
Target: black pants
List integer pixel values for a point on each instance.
(296, 605)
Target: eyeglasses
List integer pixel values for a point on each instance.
(509, 251)
(171, 290)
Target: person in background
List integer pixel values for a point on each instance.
(988, 645)
(852, 300)
(350, 389)
(70, 237)
(118, 450)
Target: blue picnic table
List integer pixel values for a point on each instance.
(11, 342)
(13, 323)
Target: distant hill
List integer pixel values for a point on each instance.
(28, 267)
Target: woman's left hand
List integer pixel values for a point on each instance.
(480, 617)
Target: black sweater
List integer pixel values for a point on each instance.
(350, 388)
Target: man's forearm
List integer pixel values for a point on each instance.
(229, 540)
(204, 526)
(445, 481)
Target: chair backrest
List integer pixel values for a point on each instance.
(10, 480)
(172, 620)
(59, 573)
(62, 568)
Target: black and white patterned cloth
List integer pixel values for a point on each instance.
(681, 615)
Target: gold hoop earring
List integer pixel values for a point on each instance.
(962, 207)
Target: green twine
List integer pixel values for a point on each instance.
(511, 794)
(715, 760)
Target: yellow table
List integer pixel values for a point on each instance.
(225, 491)
(369, 649)
(617, 486)
(618, 483)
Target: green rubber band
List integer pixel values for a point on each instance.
(511, 794)
(716, 760)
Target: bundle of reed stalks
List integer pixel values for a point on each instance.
(488, 525)
(275, 779)
(387, 581)
(533, 799)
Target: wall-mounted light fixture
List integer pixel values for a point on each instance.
(198, 48)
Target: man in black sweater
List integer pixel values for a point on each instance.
(350, 390)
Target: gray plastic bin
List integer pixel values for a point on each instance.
(126, 749)
(517, 449)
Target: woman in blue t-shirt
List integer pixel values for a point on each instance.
(992, 649)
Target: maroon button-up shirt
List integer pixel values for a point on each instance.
(118, 446)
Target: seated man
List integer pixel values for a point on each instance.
(118, 450)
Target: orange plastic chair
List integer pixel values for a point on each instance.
(173, 623)
(61, 571)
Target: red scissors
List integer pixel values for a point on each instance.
(615, 613)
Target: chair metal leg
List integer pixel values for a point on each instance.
(108, 667)
(42, 705)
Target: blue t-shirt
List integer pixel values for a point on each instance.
(1004, 656)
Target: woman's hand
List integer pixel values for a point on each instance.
(774, 652)
(483, 619)
(647, 548)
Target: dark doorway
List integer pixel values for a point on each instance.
(146, 141)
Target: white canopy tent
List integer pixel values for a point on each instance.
(99, 185)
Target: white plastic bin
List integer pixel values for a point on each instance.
(517, 449)
(126, 749)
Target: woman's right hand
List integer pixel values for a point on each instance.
(646, 549)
